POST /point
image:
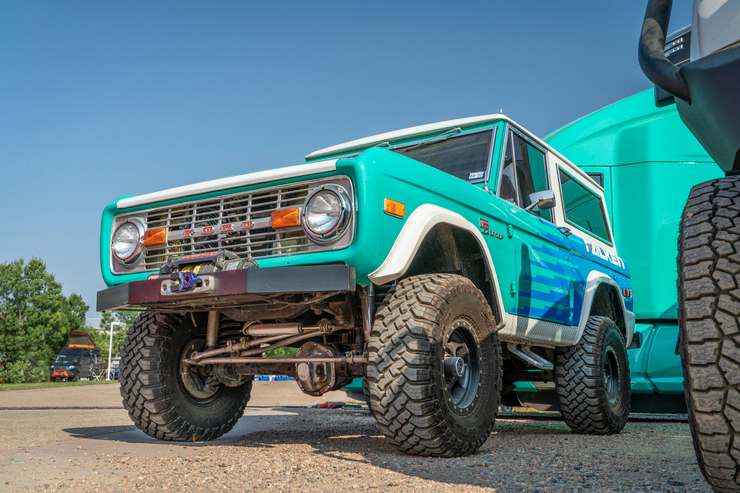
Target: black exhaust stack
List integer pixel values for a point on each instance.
(661, 71)
(706, 90)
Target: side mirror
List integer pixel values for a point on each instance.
(541, 200)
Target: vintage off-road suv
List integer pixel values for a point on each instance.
(441, 262)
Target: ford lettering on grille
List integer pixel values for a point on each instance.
(239, 223)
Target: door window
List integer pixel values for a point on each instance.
(507, 188)
(524, 172)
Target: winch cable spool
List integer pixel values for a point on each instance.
(189, 266)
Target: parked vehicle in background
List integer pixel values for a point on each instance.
(115, 368)
(78, 359)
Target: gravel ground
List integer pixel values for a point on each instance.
(87, 443)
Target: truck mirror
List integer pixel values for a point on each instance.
(541, 200)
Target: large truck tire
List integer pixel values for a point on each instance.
(709, 316)
(592, 380)
(167, 399)
(434, 369)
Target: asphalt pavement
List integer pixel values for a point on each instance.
(80, 439)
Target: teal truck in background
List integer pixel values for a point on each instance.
(647, 161)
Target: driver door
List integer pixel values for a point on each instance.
(543, 287)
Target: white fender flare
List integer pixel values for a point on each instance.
(420, 222)
(593, 281)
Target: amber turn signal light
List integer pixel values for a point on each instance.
(286, 218)
(155, 237)
(394, 208)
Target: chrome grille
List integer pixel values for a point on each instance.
(255, 208)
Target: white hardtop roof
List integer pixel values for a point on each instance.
(431, 128)
(406, 133)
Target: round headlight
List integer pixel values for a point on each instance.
(326, 213)
(126, 242)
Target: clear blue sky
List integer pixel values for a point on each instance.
(102, 99)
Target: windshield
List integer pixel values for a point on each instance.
(464, 156)
(68, 356)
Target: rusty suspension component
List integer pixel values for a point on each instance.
(212, 328)
(276, 335)
(261, 330)
(235, 347)
(281, 343)
(241, 360)
(367, 304)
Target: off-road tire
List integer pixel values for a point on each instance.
(153, 393)
(709, 313)
(408, 396)
(581, 380)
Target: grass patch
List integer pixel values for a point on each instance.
(282, 352)
(47, 385)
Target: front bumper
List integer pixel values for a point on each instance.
(230, 288)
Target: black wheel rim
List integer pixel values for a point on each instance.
(199, 386)
(611, 377)
(461, 366)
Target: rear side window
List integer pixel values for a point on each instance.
(464, 156)
(598, 178)
(583, 208)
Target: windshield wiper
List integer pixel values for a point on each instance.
(449, 133)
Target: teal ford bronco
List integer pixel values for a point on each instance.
(443, 263)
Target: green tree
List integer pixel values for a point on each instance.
(35, 320)
(101, 337)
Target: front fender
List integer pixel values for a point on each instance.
(412, 235)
